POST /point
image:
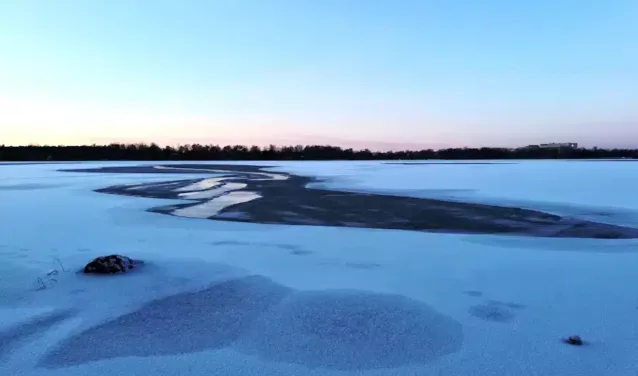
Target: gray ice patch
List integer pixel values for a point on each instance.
(184, 323)
(233, 215)
(22, 332)
(352, 330)
(27, 187)
(492, 312)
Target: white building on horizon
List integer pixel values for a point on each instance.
(556, 145)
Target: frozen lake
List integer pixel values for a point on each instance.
(309, 291)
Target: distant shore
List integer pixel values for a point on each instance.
(385, 161)
(153, 152)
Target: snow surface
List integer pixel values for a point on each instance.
(201, 185)
(230, 298)
(214, 192)
(212, 207)
(266, 175)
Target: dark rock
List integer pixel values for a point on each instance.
(111, 264)
(574, 340)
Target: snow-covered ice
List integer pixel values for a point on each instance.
(213, 206)
(593, 190)
(213, 192)
(201, 185)
(265, 175)
(233, 298)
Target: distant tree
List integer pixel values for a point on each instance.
(141, 151)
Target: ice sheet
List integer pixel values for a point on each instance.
(201, 185)
(212, 207)
(266, 175)
(214, 192)
(514, 298)
(599, 190)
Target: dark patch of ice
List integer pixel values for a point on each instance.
(352, 330)
(229, 242)
(492, 312)
(22, 332)
(309, 207)
(353, 224)
(304, 221)
(301, 252)
(287, 213)
(26, 187)
(233, 215)
(184, 323)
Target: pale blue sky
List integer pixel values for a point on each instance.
(375, 73)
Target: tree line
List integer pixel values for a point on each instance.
(144, 152)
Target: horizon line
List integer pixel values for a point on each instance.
(176, 146)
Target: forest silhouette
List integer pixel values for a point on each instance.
(146, 152)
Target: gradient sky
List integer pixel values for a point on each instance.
(362, 73)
